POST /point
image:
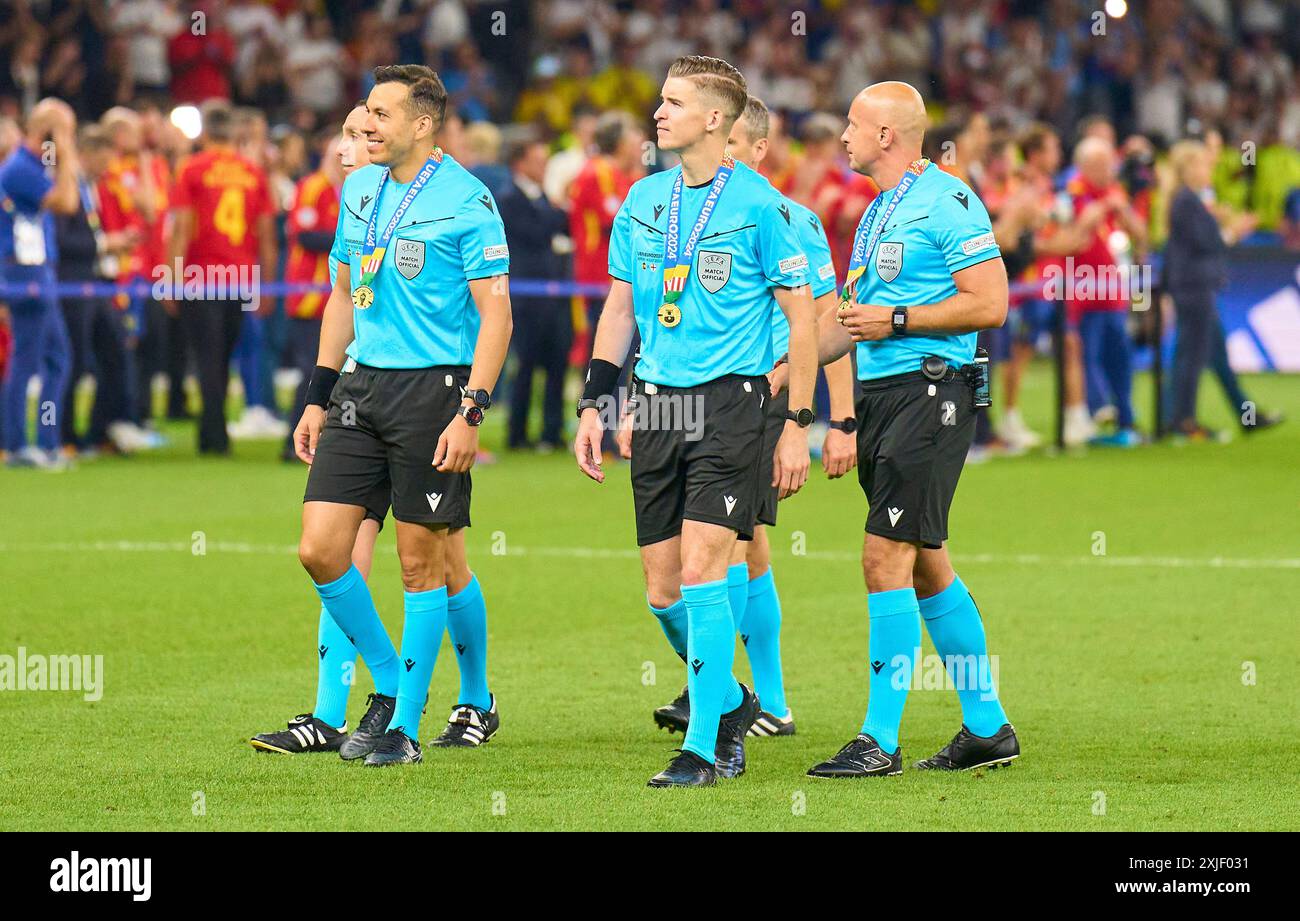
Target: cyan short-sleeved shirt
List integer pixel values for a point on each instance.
(940, 227)
(422, 313)
(821, 269)
(749, 248)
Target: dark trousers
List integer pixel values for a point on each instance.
(301, 350)
(1222, 368)
(161, 350)
(98, 348)
(1108, 362)
(542, 335)
(1196, 321)
(212, 328)
(40, 348)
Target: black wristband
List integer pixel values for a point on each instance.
(602, 378)
(321, 386)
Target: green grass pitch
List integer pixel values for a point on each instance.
(1122, 672)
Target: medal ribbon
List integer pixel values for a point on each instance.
(678, 266)
(862, 247)
(372, 256)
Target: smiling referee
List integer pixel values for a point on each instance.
(925, 276)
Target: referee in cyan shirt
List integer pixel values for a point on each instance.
(421, 313)
(925, 277)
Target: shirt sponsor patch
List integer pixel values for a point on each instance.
(500, 251)
(977, 244)
(826, 272)
(794, 263)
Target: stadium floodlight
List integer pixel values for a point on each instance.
(188, 119)
(1116, 8)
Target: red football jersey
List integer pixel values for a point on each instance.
(595, 197)
(315, 209)
(228, 194)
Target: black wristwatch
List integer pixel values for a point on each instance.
(584, 405)
(847, 426)
(473, 414)
(899, 321)
(803, 416)
(482, 398)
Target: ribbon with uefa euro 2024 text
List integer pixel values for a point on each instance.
(862, 247)
(372, 255)
(677, 265)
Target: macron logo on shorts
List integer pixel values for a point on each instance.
(894, 515)
(434, 498)
(729, 502)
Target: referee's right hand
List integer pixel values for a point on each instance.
(586, 447)
(307, 434)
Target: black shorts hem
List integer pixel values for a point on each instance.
(907, 539)
(452, 524)
(645, 540)
(720, 521)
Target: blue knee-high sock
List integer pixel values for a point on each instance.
(334, 672)
(467, 625)
(737, 594)
(892, 645)
(348, 601)
(762, 636)
(672, 620)
(426, 618)
(954, 624)
(710, 654)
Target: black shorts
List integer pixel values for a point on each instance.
(695, 455)
(913, 435)
(380, 435)
(773, 426)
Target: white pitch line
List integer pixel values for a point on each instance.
(621, 553)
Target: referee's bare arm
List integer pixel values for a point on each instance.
(790, 465)
(458, 444)
(980, 303)
(335, 336)
(613, 339)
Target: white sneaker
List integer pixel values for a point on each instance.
(257, 423)
(1078, 426)
(1012, 429)
(1105, 415)
(127, 437)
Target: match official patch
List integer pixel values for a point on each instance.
(408, 256)
(793, 264)
(826, 272)
(500, 251)
(978, 244)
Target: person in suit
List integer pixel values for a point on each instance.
(536, 231)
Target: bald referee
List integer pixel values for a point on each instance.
(925, 276)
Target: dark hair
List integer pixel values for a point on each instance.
(218, 120)
(715, 77)
(427, 94)
(758, 120)
(518, 143)
(610, 129)
(1033, 139)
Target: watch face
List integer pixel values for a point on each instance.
(473, 415)
(481, 398)
(806, 418)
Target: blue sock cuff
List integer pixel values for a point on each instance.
(429, 600)
(760, 584)
(737, 573)
(471, 593)
(672, 612)
(888, 604)
(945, 602)
(706, 593)
(339, 585)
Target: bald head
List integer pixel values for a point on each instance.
(886, 126)
(1095, 158)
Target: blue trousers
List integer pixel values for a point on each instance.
(41, 347)
(1108, 362)
(249, 350)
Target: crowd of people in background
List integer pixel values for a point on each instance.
(1093, 142)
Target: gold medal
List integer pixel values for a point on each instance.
(669, 315)
(363, 296)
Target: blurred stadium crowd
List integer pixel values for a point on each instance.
(1081, 132)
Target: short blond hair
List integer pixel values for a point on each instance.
(715, 78)
(1183, 154)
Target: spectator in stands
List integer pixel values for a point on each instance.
(542, 325)
(148, 26)
(202, 62)
(28, 254)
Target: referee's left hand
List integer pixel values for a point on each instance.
(790, 463)
(867, 322)
(457, 447)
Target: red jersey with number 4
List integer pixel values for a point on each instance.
(228, 193)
